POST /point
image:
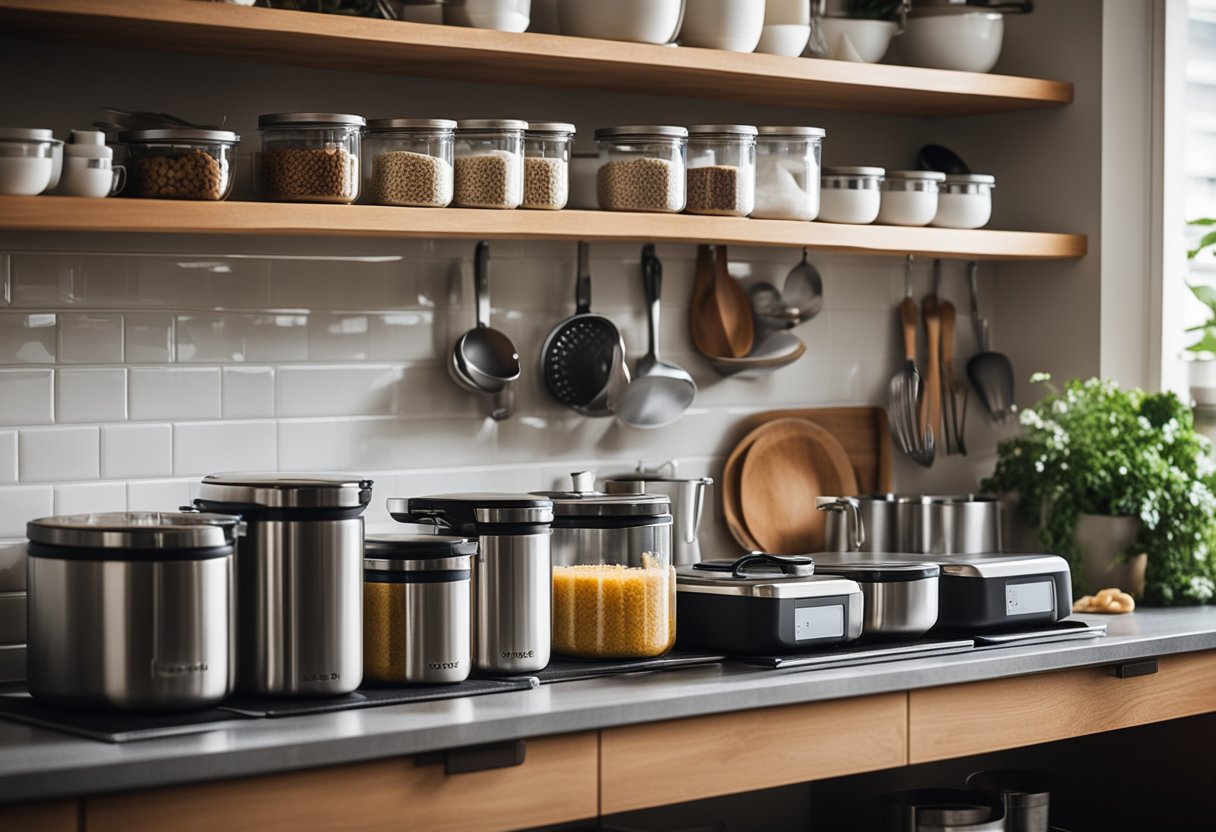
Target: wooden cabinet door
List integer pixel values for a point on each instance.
(960, 720)
(43, 816)
(557, 782)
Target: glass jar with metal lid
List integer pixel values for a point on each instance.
(613, 579)
(721, 169)
(489, 163)
(131, 610)
(410, 161)
(181, 162)
(965, 201)
(547, 146)
(299, 579)
(309, 157)
(909, 197)
(787, 172)
(416, 608)
(641, 168)
(850, 194)
(512, 573)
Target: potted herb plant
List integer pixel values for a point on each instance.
(1111, 475)
(1201, 363)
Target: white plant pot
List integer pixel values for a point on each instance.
(860, 41)
(1201, 376)
(1102, 541)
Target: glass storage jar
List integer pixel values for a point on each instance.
(309, 157)
(180, 163)
(408, 161)
(613, 579)
(909, 197)
(641, 168)
(787, 172)
(489, 163)
(965, 201)
(547, 165)
(721, 169)
(850, 194)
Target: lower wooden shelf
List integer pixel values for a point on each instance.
(71, 214)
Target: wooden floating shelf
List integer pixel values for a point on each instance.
(449, 52)
(74, 214)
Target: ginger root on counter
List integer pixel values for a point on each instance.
(1112, 601)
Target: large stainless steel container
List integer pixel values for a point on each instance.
(131, 611)
(901, 597)
(922, 525)
(512, 573)
(590, 527)
(687, 498)
(299, 579)
(416, 608)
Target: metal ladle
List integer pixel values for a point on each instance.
(484, 359)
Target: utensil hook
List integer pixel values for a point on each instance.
(582, 287)
(908, 276)
(481, 283)
(652, 282)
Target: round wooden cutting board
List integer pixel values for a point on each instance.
(791, 462)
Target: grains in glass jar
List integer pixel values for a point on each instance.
(401, 177)
(643, 184)
(488, 180)
(614, 611)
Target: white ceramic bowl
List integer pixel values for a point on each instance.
(968, 42)
(503, 15)
(784, 39)
(787, 12)
(640, 21)
(860, 41)
(733, 25)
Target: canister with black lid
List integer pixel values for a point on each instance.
(511, 575)
(416, 608)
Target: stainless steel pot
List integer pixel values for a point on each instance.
(1025, 794)
(299, 579)
(416, 613)
(512, 584)
(901, 597)
(687, 498)
(590, 527)
(942, 810)
(131, 611)
(965, 524)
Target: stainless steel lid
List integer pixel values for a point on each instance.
(721, 130)
(999, 566)
(284, 119)
(550, 127)
(853, 170)
(180, 134)
(660, 131)
(491, 124)
(418, 553)
(868, 569)
(791, 131)
(466, 513)
(760, 581)
(136, 530)
(970, 179)
(411, 124)
(584, 501)
(933, 175)
(286, 491)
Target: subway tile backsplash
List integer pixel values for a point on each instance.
(126, 377)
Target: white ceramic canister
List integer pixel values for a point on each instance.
(965, 201)
(31, 160)
(909, 197)
(850, 194)
(733, 25)
(88, 167)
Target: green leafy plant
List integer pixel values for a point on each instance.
(1095, 448)
(1206, 295)
(874, 9)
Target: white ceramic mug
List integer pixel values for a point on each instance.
(95, 178)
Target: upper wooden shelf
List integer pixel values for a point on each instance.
(449, 52)
(70, 214)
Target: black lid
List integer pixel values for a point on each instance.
(417, 546)
(472, 513)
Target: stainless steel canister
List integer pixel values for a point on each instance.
(687, 498)
(416, 608)
(966, 524)
(591, 527)
(1025, 794)
(512, 573)
(299, 579)
(131, 610)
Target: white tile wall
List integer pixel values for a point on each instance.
(124, 378)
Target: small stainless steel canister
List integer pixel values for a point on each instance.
(131, 610)
(950, 525)
(512, 573)
(687, 498)
(416, 608)
(1025, 793)
(299, 579)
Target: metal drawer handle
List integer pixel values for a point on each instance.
(1129, 670)
(477, 758)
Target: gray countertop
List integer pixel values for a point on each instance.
(36, 763)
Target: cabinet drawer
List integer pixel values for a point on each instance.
(43, 816)
(688, 759)
(978, 717)
(555, 783)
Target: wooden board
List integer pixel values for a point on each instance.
(163, 216)
(690, 759)
(557, 783)
(979, 717)
(450, 52)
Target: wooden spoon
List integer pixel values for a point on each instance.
(734, 308)
(931, 401)
(704, 323)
